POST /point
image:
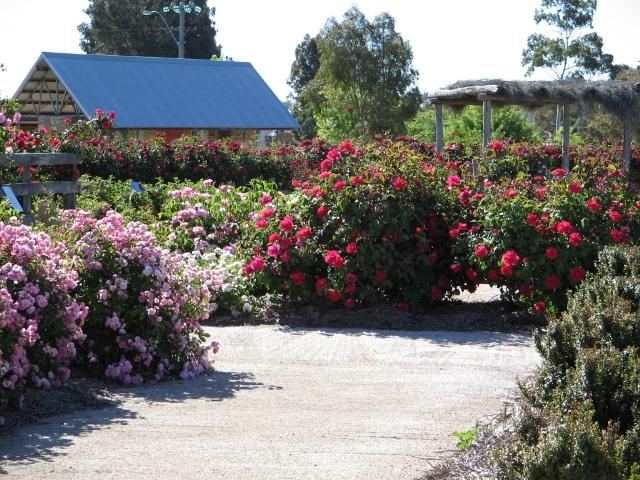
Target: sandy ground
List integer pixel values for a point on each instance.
(288, 404)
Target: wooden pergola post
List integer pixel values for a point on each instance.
(439, 127)
(626, 150)
(566, 130)
(486, 121)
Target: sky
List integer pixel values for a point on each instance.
(451, 39)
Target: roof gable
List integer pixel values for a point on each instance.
(148, 92)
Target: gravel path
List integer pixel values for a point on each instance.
(288, 404)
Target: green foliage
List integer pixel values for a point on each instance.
(466, 438)
(365, 83)
(306, 65)
(569, 55)
(117, 27)
(582, 420)
(466, 127)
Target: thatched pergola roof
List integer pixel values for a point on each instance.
(622, 98)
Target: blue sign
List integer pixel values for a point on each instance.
(137, 187)
(8, 191)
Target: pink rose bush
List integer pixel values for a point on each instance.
(41, 322)
(145, 303)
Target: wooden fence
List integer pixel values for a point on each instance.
(26, 189)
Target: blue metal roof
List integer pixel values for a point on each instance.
(148, 92)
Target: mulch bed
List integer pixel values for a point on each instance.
(457, 316)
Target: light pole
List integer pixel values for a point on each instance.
(181, 8)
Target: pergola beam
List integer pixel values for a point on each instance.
(626, 150)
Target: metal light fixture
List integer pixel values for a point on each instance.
(181, 8)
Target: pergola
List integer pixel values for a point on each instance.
(622, 98)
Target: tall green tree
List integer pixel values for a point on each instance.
(117, 27)
(303, 71)
(576, 52)
(367, 71)
(365, 83)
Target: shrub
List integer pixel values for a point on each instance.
(145, 303)
(583, 419)
(41, 323)
(539, 237)
(370, 225)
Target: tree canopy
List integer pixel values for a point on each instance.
(576, 52)
(117, 27)
(364, 82)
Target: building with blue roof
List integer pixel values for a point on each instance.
(178, 96)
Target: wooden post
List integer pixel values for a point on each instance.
(566, 130)
(439, 128)
(26, 198)
(626, 155)
(486, 122)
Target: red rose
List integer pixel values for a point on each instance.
(351, 278)
(551, 253)
(577, 274)
(351, 248)
(510, 258)
(552, 282)
(481, 251)
(258, 264)
(287, 223)
(527, 290)
(355, 181)
(262, 223)
(268, 212)
(298, 278)
(334, 259)
(350, 303)
(615, 215)
(533, 219)
(594, 205)
(321, 285)
(493, 276)
(564, 227)
(304, 233)
(325, 165)
(453, 180)
(575, 238)
(399, 183)
(539, 306)
(350, 289)
(455, 268)
(339, 185)
(333, 295)
(380, 276)
(322, 211)
(436, 293)
(617, 236)
(575, 187)
(472, 275)
(274, 237)
(506, 270)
